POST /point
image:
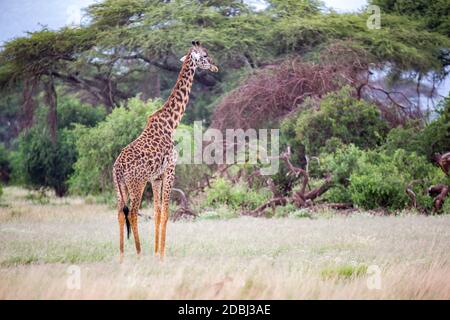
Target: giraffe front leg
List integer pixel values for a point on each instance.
(134, 228)
(168, 179)
(156, 188)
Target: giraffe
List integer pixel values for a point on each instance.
(151, 157)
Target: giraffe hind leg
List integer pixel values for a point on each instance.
(156, 188)
(121, 205)
(135, 203)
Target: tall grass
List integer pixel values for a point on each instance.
(238, 258)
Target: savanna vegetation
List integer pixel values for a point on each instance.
(66, 248)
(361, 196)
(362, 124)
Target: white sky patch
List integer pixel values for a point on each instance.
(345, 6)
(73, 13)
(257, 5)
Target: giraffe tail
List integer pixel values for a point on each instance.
(127, 221)
(125, 208)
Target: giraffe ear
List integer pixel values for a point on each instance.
(183, 58)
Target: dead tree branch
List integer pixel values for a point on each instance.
(301, 198)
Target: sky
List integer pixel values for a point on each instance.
(19, 16)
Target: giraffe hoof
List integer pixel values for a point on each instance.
(121, 258)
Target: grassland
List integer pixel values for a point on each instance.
(326, 257)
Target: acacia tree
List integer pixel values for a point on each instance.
(36, 60)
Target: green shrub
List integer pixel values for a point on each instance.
(300, 213)
(378, 186)
(426, 141)
(236, 196)
(435, 137)
(446, 206)
(72, 111)
(40, 163)
(5, 166)
(37, 161)
(340, 116)
(284, 211)
(376, 178)
(221, 212)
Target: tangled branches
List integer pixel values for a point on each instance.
(441, 191)
(300, 199)
(277, 90)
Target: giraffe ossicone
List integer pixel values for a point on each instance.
(150, 157)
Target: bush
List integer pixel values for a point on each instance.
(37, 161)
(72, 111)
(426, 141)
(237, 196)
(340, 116)
(99, 146)
(284, 211)
(40, 163)
(436, 136)
(5, 166)
(375, 178)
(222, 212)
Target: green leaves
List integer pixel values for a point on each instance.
(342, 117)
(400, 40)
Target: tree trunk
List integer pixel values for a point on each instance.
(28, 104)
(51, 100)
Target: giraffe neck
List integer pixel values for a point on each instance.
(175, 106)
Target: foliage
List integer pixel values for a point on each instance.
(41, 51)
(10, 116)
(401, 41)
(344, 271)
(221, 212)
(38, 162)
(271, 93)
(339, 116)
(41, 163)
(427, 141)
(237, 196)
(101, 145)
(5, 166)
(375, 179)
(290, 59)
(446, 207)
(72, 111)
(436, 136)
(435, 15)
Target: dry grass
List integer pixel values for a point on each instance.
(245, 258)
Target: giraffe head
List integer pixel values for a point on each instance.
(199, 55)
